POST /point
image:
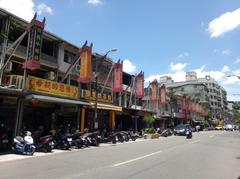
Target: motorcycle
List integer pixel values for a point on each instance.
(24, 145)
(45, 144)
(166, 132)
(188, 134)
(108, 137)
(133, 136)
(91, 138)
(63, 141)
(77, 140)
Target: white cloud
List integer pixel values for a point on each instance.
(21, 8)
(177, 66)
(183, 55)
(128, 67)
(226, 52)
(24, 8)
(233, 93)
(94, 2)
(41, 8)
(231, 80)
(224, 23)
(237, 60)
(225, 69)
(152, 77)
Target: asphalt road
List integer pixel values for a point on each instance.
(209, 155)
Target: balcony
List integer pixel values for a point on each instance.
(45, 59)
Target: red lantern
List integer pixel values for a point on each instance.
(34, 101)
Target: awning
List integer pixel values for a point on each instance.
(106, 106)
(55, 99)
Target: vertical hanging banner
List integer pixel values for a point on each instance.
(197, 108)
(35, 30)
(163, 94)
(184, 105)
(140, 85)
(154, 86)
(117, 73)
(85, 64)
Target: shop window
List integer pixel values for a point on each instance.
(48, 47)
(69, 56)
(74, 83)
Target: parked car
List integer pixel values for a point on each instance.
(219, 127)
(180, 129)
(228, 127)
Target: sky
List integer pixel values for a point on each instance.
(167, 37)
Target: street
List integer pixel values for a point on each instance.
(208, 155)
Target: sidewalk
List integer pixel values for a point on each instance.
(12, 157)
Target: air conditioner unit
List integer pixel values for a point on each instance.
(16, 81)
(76, 69)
(8, 67)
(50, 75)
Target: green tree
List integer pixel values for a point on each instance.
(149, 120)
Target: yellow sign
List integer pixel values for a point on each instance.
(50, 87)
(92, 96)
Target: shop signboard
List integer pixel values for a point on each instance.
(35, 43)
(88, 95)
(86, 64)
(117, 73)
(40, 85)
(140, 85)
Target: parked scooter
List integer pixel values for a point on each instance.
(24, 145)
(133, 135)
(91, 138)
(63, 140)
(108, 137)
(166, 132)
(78, 141)
(188, 134)
(45, 144)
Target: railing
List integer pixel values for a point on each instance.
(22, 50)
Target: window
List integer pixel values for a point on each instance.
(48, 47)
(69, 56)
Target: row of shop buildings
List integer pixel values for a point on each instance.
(45, 80)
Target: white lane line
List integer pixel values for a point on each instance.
(193, 142)
(135, 159)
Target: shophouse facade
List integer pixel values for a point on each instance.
(51, 96)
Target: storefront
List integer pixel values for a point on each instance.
(51, 105)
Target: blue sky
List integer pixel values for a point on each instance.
(159, 37)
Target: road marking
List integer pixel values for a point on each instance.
(193, 142)
(212, 136)
(135, 159)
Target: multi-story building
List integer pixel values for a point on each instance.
(217, 95)
(52, 96)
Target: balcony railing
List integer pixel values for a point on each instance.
(45, 59)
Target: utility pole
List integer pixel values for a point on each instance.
(96, 86)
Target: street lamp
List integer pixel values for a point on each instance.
(96, 85)
(234, 75)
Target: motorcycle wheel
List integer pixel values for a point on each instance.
(126, 139)
(121, 139)
(114, 140)
(133, 138)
